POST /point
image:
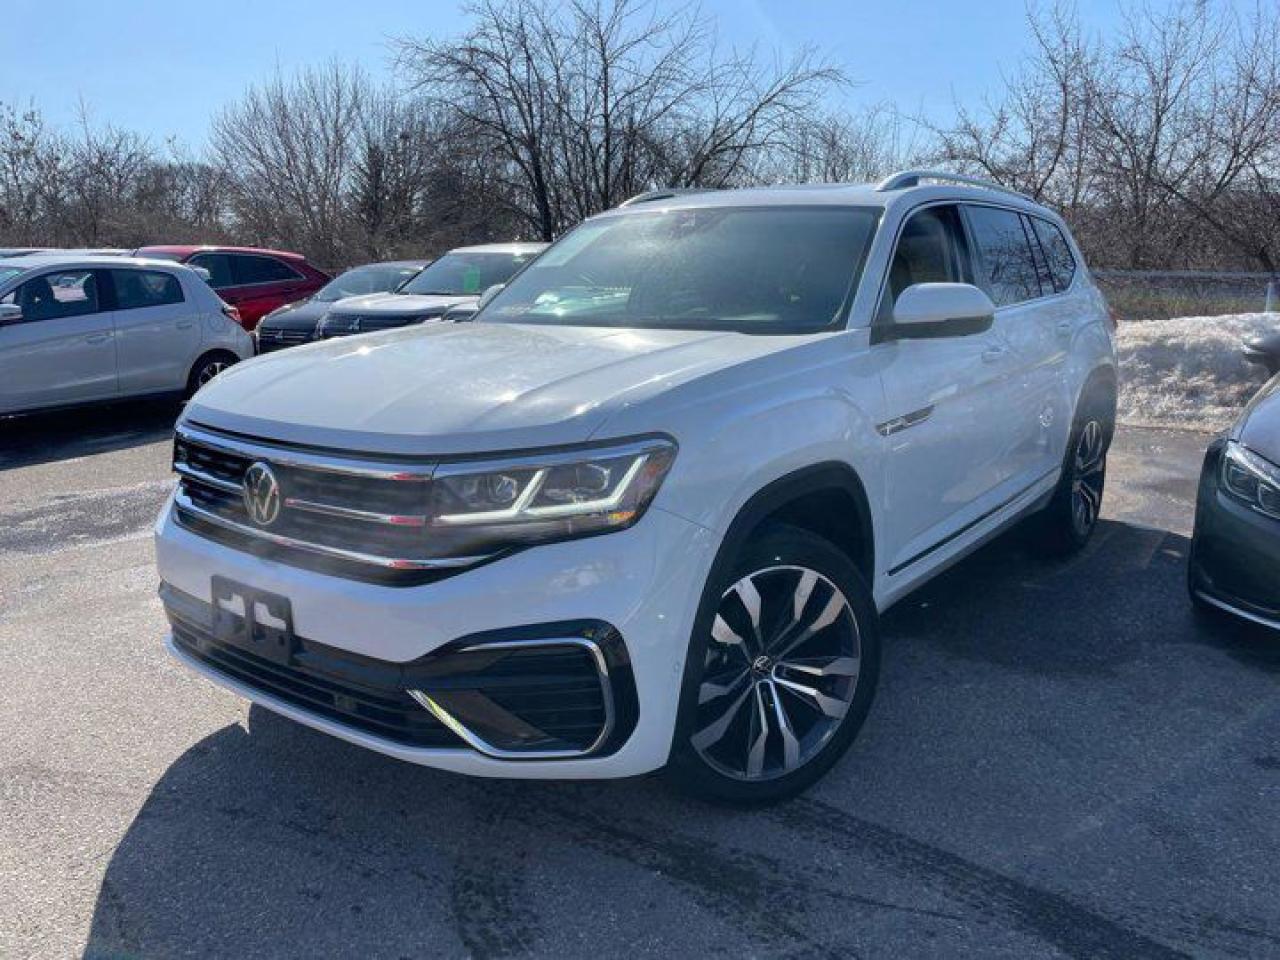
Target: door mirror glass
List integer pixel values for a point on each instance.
(489, 294)
(10, 313)
(941, 310)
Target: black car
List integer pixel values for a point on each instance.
(297, 323)
(1235, 551)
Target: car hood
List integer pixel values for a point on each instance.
(300, 316)
(450, 389)
(395, 304)
(1259, 427)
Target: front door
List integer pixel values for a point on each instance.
(947, 404)
(63, 350)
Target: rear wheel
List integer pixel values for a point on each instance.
(208, 367)
(1071, 516)
(783, 673)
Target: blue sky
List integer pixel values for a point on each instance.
(165, 68)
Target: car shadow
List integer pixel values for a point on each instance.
(64, 434)
(271, 839)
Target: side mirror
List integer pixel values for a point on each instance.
(489, 294)
(10, 313)
(928, 310)
(1264, 351)
(461, 313)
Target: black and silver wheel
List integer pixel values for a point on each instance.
(784, 671)
(1072, 514)
(208, 367)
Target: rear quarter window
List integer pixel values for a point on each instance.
(1062, 262)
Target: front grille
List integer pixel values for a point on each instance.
(344, 325)
(318, 680)
(351, 516)
(270, 339)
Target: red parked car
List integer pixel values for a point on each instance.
(252, 280)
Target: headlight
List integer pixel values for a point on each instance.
(479, 508)
(1252, 480)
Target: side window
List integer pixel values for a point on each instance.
(218, 265)
(52, 296)
(931, 249)
(1062, 263)
(145, 288)
(1008, 265)
(249, 268)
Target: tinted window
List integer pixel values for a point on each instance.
(375, 278)
(466, 274)
(765, 270)
(217, 264)
(931, 249)
(248, 268)
(145, 288)
(1008, 263)
(51, 296)
(1062, 263)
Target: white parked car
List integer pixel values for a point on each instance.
(644, 511)
(85, 329)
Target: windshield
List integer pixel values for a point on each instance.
(756, 270)
(8, 273)
(375, 278)
(466, 274)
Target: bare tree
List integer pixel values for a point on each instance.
(582, 103)
(291, 144)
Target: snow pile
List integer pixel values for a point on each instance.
(1188, 371)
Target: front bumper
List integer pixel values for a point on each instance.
(1235, 552)
(645, 582)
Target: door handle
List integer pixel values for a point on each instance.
(994, 354)
(186, 324)
(1065, 328)
(97, 337)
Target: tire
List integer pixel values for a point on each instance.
(1071, 516)
(748, 733)
(208, 367)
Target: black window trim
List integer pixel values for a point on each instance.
(1020, 214)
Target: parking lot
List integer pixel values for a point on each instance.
(1062, 761)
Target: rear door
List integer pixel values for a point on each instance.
(63, 351)
(263, 283)
(157, 330)
(1014, 274)
(947, 413)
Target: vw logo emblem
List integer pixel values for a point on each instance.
(261, 494)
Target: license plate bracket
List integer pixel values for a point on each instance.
(254, 620)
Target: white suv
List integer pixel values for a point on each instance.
(644, 510)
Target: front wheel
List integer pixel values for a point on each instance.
(783, 671)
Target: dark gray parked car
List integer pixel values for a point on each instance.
(296, 323)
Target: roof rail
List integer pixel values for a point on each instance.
(912, 178)
(666, 193)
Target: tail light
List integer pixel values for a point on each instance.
(233, 315)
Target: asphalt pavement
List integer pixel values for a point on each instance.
(1062, 762)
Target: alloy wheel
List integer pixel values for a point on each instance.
(209, 371)
(1087, 478)
(781, 671)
